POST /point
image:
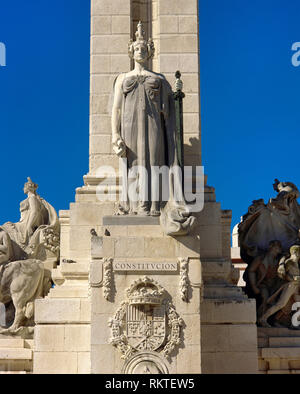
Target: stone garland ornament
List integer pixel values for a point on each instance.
(146, 321)
(107, 278)
(118, 339)
(184, 279)
(51, 240)
(175, 323)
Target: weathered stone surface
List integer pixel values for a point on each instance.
(130, 220)
(57, 311)
(55, 363)
(229, 363)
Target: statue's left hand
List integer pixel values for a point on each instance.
(119, 147)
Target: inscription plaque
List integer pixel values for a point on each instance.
(146, 266)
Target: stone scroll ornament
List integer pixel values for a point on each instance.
(24, 248)
(269, 243)
(146, 136)
(146, 321)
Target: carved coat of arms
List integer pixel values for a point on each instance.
(146, 326)
(146, 321)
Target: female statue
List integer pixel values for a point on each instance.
(37, 218)
(24, 246)
(143, 132)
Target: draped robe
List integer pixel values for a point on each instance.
(148, 130)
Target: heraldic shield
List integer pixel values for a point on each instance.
(146, 326)
(146, 321)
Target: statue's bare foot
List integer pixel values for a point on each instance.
(5, 331)
(120, 210)
(154, 212)
(155, 208)
(143, 211)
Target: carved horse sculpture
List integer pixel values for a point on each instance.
(22, 282)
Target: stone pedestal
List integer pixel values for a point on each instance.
(228, 331)
(134, 248)
(218, 322)
(278, 351)
(98, 267)
(62, 332)
(16, 355)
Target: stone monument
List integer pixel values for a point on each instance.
(269, 241)
(144, 285)
(29, 250)
(270, 244)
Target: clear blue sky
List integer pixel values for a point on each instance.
(249, 96)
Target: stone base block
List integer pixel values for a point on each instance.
(228, 336)
(16, 355)
(62, 311)
(218, 311)
(279, 350)
(61, 362)
(62, 349)
(229, 363)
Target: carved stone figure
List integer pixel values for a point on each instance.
(262, 278)
(24, 247)
(22, 282)
(289, 271)
(5, 247)
(36, 235)
(277, 220)
(143, 132)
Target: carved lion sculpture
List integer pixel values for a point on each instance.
(22, 282)
(24, 248)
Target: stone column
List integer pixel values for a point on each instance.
(110, 34)
(175, 33)
(141, 10)
(173, 25)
